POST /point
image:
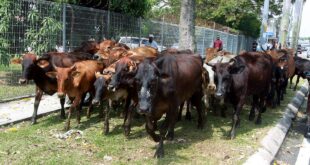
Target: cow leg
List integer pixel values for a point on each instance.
(307, 134)
(106, 118)
(76, 102)
(168, 123)
(297, 81)
(128, 117)
(188, 115)
(223, 108)
(252, 112)
(180, 111)
(258, 110)
(278, 95)
(62, 111)
(37, 100)
(90, 107)
(236, 118)
(291, 81)
(150, 128)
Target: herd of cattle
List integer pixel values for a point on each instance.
(157, 83)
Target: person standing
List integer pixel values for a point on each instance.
(151, 42)
(218, 43)
(254, 46)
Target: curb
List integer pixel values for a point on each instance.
(272, 142)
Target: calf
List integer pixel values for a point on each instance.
(162, 86)
(75, 81)
(210, 87)
(126, 94)
(31, 71)
(245, 75)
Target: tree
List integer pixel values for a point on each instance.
(226, 12)
(137, 8)
(187, 25)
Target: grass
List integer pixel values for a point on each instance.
(9, 83)
(25, 144)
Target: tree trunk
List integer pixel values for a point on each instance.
(298, 6)
(264, 22)
(187, 25)
(285, 22)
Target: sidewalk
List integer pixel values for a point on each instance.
(14, 111)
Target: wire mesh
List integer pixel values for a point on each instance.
(41, 26)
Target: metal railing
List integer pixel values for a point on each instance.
(40, 26)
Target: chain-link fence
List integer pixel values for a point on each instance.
(40, 26)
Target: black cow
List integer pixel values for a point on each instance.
(301, 66)
(31, 71)
(245, 75)
(162, 86)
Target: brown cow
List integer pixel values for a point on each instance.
(75, 81)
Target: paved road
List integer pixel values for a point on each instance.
(295, 148)
(14, 111)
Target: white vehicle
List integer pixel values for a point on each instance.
(308, 53)
(133, 42)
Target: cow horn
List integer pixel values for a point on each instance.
(54, 66)
(97, 74)
(232, 61)
(73, 67)
(220, 60)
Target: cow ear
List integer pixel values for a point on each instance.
(51, 74)
(75, 74)
(236, 69)
(43, 63)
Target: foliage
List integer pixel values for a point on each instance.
(226, 12)
(5, 18)
(49, 27)
(137, 8)
(39, 27)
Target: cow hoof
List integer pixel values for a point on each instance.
(126, 132)
(62, 117)
(66, 128)
(159, 153)
(264, 109)
(200, 126)
(33, 122)
(251, 117)
(307, 134)
(188, 116)
(258, 121)
(170, 136)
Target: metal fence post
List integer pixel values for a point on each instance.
(64, 7)
(162, 32)
(139, 31)
(108, 24)
(203, 40)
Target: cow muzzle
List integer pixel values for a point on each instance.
(95, 102)
(22, 81)
(143, 110)
(61, 94)
(111, 88)
(219, 95)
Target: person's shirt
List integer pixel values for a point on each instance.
(218, 44)
(153, 44)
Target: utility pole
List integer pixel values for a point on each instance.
(285, 22)
(264, 25)
(298, 7)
